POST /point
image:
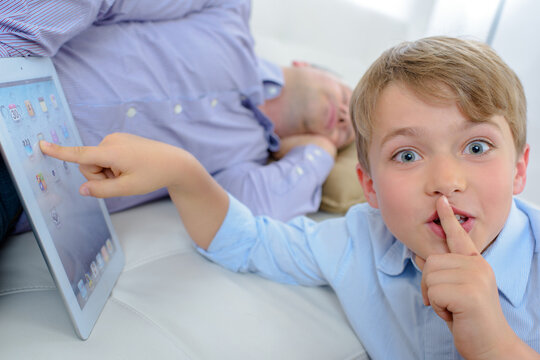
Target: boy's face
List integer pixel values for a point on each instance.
(420, 151)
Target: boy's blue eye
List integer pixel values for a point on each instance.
(477, 147)
(406, 156)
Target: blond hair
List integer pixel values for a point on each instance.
(450, 70)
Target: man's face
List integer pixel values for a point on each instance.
(322, 105)
(420, 151)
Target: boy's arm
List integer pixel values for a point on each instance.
(461, 288)
(124, 164)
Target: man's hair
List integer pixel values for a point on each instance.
(446, 70)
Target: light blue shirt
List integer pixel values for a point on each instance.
(174, 71)
(374, 276)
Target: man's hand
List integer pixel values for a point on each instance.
(290, 142)
(461, 288)
(124, 164)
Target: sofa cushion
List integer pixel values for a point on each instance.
(341, 190)
(169, 303)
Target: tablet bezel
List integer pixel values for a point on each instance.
(20, 69)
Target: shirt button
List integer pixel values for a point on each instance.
(131, 112)
(178, 109)
(310, 157)
(299, 170)
(317, 152)
(214, 103)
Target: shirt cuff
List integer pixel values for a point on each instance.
(315, 157)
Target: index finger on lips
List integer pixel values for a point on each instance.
(457, 239)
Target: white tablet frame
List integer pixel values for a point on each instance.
(17, 69)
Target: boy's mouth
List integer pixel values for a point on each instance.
(461, 218)
(465, 220)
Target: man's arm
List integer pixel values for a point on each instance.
(290, 142)
(125, 164)
(163, 10)
(282, 189)
(40, 28)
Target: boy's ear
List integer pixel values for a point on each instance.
(520, 177)
(367, 185)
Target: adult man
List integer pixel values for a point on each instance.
(185, 73)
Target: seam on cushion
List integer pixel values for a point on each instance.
(166, 333)
(26, 289)
(145, 261)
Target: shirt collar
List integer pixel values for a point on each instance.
(271, 76)
(511, 256)
(395, 259)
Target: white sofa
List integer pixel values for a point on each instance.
(169, 303)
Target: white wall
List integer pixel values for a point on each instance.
(517, 41)
(468, 18)
(342, 35)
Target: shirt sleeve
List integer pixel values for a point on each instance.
(145, 10)
(282, 189)
(270, 248)
(40, 28)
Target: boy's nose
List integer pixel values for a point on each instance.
(445, 177)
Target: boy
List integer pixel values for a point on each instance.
(440, 126)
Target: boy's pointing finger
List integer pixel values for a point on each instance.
(457, 239)
(84, 155)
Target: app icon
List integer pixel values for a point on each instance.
(53, 101)
(100, 262)
(14, 112)
(55, 218)
(94, 270)
(40, 136)
(105, 254)
(109, 245)
(66, 167)
(82, 289)
(41, 182)
(65, 131)
(42, 104)
(54, 174)
(29, 108)
(89, 281)
(28, 146)
(55, 137)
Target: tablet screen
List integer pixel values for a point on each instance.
(32, 111)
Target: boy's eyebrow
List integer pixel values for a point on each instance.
(471, 124)
(403, 131)
(418, 132)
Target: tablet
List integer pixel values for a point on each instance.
(75, 233)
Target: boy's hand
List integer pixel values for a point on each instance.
(121, 165)
(124, 164)
(461, 288)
